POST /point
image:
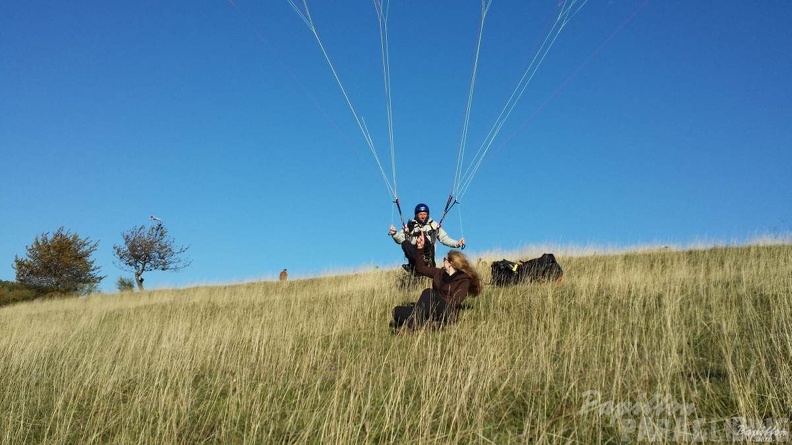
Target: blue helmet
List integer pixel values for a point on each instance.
(421, 208)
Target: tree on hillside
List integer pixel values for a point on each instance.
(59, 264)
(149, 249)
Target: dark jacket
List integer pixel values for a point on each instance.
(451, 288)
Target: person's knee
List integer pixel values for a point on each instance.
(409, 250)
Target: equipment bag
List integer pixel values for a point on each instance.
(542, 269)
(505, 272)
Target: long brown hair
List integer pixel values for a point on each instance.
(460, 262)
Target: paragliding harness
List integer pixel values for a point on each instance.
(431, 239)
(431, 234)
(542, 269)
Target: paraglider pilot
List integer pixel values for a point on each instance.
(422, 224)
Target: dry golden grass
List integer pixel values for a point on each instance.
(313, 361)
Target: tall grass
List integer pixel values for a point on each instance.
(313, 361)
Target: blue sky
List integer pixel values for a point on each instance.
(648, 122)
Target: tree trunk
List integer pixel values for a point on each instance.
(139, 280)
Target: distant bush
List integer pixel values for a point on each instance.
(125, 284)
(11, 292)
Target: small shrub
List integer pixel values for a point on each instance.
(11, 292)
(125, 284)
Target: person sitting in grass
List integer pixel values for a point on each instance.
(451, 284)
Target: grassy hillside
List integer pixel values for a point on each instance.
(666, 345)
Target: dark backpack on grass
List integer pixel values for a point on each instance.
(544, 268)
(505, 272)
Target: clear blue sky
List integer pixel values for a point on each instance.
(648, 122)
